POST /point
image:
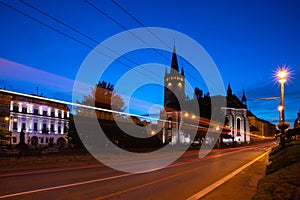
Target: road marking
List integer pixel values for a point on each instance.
(64, 186)
(166, 178)
(147, 184)
(224, 179)
(123, 175)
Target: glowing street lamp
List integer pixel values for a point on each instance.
(282, 75)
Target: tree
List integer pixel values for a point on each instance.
(73, 136)
(4, 134)
(198, 93)
(104, 96)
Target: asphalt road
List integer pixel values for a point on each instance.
(181, 180)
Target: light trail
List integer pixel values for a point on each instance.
(77, 104)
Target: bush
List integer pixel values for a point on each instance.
(283, 184)
(282, 158)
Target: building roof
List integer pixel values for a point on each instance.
(34, 99)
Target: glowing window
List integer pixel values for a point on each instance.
(169, 84)
(179, 84)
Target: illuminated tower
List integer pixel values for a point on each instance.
(174, 86)
(174, 95)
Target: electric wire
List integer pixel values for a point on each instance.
(82, 34)
(68, 36)
(156, 36)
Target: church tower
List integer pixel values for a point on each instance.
(174, 81)
(244, 99)
(174, 95)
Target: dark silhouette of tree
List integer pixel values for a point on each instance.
(73, 136)
(4, 134)
(198, 93)
(104, 96)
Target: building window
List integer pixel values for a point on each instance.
(23, 126)
(44, 112)
(44, 129)
(52, 114)
(15, 125)
(47, 140)
(42, 140)
(14, 139)
(35, 126)
(36, 111)
(3, 125)
(59, 129)
(59, 115)
(65, 129)
(238, 127)
(16, 109)
(3, 110)
(52, 128)
(24, 110)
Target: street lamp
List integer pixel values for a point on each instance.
(282, 75)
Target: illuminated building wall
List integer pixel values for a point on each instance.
(42, 121)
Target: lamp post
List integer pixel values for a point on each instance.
(282, 76)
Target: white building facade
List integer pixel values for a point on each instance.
(43, 122)
(238, 122)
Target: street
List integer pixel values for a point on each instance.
(181, 180)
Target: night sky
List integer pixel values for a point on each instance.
(247, 40)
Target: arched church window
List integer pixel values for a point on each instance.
(238, 126)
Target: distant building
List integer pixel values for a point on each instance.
(43, 122)
(297, 121)
(260, 127)
(236, 117)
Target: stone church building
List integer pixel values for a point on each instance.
(235, 113)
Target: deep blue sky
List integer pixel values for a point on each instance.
(246, 39)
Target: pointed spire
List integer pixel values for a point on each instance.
(244, 99)
(182, 71)
(229, 90)
(174, 64)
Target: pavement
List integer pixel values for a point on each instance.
(241, 186)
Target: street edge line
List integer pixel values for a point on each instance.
(224, 179)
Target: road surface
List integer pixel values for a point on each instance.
(184, 178)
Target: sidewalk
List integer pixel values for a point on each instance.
(41, 163)
(243, 185)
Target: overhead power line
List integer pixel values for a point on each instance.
(156, 36)
(140, 23)
(68, 36)
(81, 33)
(124, 28)
(76, 30)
